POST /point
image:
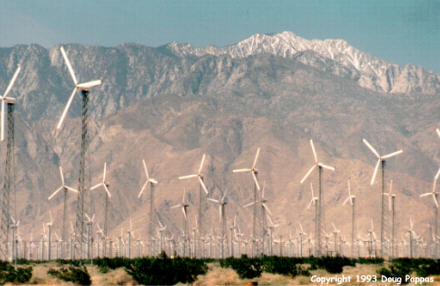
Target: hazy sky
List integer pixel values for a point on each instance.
(400, 31)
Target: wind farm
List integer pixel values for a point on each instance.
(254, 188)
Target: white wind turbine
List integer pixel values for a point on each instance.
(222, 217)
(184, 207)
(301, 233)
(161, 230)
(149, 182)
(335, 237)
(381, 161)
(84, 88)
(272, 227)
(65, 188)
(352, 199)
(200, 178)
(320, 217)
(10, 153)
(49, 239)
(89, 222)
(104, 184)
(435, 207)
(7, 100)
(14, 227)
(391, 207)
(254, 173)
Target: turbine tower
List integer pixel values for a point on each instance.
(202, 188)
(108, 196)
(65, 188)
(391, 207)
(184, 206)
(435, 208)
(321, 217)
(222, 217)
(254, 173)
(352, 199)
(314, 201)
(84, 88)
(149, 182)
(8, 184)
(381, 161)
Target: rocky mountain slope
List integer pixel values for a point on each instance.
(171, 104)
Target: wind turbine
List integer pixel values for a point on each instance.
(149, 182)
(335, 235)
(162, 228)
(391, 207)
(435, 208)
(49, 239)
(314, 201)
(108, 196)
(301, 234)
(381, 161)
(202, 188)
(271, 226)
(222, 217)
(372, 239)
(9, 166)
(352, 199)
(254, 173)
(14, 228)
(184, 207)
(65, 188)
(84, 88)
(320, 216)
(412, 234)
(89, 222)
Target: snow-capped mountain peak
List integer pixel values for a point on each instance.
(368, 71)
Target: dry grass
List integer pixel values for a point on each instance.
(112, 277)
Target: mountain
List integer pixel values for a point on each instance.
(169, 107)
(332, 55)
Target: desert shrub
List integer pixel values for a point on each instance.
(105, 264)
(396, 270)
(330, 264)
(165, 271)
(372, 260)
(72, 273)
(246, 268)
(284, 265)
(423, 267)
(9, 273)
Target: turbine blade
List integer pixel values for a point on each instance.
(220, 212)
(104, 172)
(311, 189)
(310, 204)
(54, 193)
(184, 212)
(314, 151)
(392, 154)
(96, 186)
(69, 66)
(256, 158)
(255, 181)
(213, 200)
(267, 208)
(108, 191)
(425, 195)
(375, 172)
(249, 204)
(203, 185)
(88, 85)
(389, 202)
(308, 174)
(142, 189)
(435, 200)
(201, 164)
(326, 167)
(346, 200)
(349, 188)
(69, 102)
(437, 175)
(62, 176)
(71, 189)
(371, 148)
(188, 177)
(153, 181)
(175, 206)
(438, 132)
(11, 83)
(3, 121)
(145, 169)
(241, 170)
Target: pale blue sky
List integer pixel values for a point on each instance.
(400, 31)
